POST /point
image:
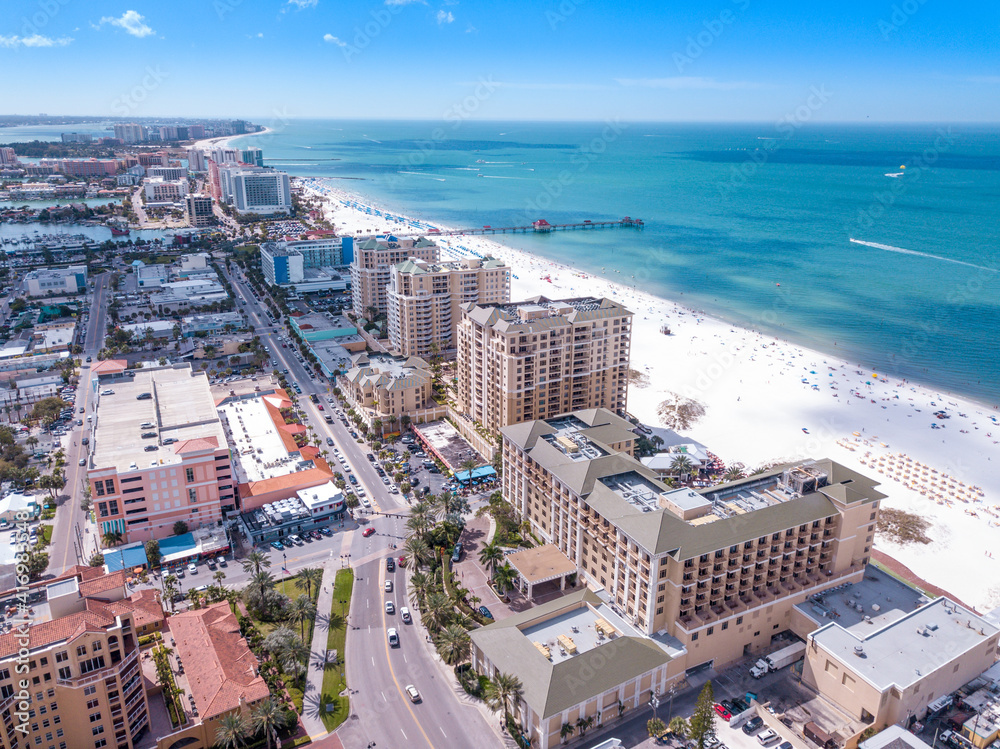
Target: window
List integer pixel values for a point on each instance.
(100, 742)
(90, 690)
(64, 672)
(739, 620)
(192, 495)
(91, 704)
(97, 731)
(189, 473)
(725, 625)
(94, 717)
(81, 650)
(694, 637)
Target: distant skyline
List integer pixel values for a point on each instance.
(727, 61)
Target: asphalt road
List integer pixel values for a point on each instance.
(378, 674)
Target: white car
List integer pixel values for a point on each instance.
(365, 501)
(388, 586)
(404, 614)
(393, 489)
(767, 737)
(390, 607)
(393, 637)
(412, 693)
(192, 568)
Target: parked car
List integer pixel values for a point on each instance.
(722, 712)
(326, 531)
(192, 568)
(485, 612)
(457, 553)
(329, 441)
(767, 737)
(753, 725)
(277, 545)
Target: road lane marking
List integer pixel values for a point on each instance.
(405, 736)
(442, 732)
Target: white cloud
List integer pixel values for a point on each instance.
(131, 22)
(687, 82)
(331, 39)
(405, 2)
(300, 4)
(470, 29)
(445, 16)
(540, 86)
(35, 40)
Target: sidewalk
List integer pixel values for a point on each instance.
(312, 700)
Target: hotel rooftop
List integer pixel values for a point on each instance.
(541, 313)
(178, 409)
(553, 648)
(579, 449)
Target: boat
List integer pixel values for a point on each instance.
(117, 231)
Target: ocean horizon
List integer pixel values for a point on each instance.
(752, 223)
(878, 244)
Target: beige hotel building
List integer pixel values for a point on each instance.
(720, 569)
(539, 358)
(373, 262)
(425, 299)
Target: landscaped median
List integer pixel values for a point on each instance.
(335, 675)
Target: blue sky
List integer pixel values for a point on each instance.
(727, 60)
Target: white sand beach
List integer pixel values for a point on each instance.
(768, 400)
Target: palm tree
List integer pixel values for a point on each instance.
(219, 576)
(504, 579)
(255, 561)
(262, 581)
(295, 653)
(418, 525)
(454, 644)
(678, 725)
(268, 716)
(438, 609)
(566, 731)
(417, 552)
(584, 723)
(230, 732)
(419, 585)
(504, 693)
(307, 578)
(490, 556)
(469, 465)
(112, 538)
(681, 465)
(734, 473)
(301, 610)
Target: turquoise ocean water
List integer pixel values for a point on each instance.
(730, 212)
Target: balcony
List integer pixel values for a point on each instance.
(115, 668)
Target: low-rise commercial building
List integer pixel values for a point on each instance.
(576, 659)
(55, 281)
(213, 323)
(194, 292)
(158, 454)
(887, 673)
(539, 358)
(425, 301)
(160, 190)
(53, 336)
(221, 674)
(306, 510)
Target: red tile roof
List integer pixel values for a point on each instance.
(196, 445)
(221, 670)
(94, 587)
(109, 366)
(296, 479)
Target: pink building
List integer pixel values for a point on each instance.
(159, 454)
(89, 167)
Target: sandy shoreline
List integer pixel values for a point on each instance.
(767, 400)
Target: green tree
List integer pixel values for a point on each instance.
(454, 644)
(300, 611)
(153, 554)
(230, 732)
(490, 556)
(308, 579)
(267, 717)
(180, 528)
(417, 552)
(584, 723)
(678, 726)
(112, 538)
(504, 579)
(504, 693)
(566, 731)
(438, 610)
(701, 726)
(655, 727)
(681, 466)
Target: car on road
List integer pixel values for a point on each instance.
(369, 531)
(390, 565)
(277, 545)
(722, 712)
(329, 441)
(192, 568)
(390, 607)
(83, 461)
(767, 737)
(412, 693)
(393, 637)
(82, 410)
(753, 725)
(388, 586)
(320, 407)
(785, 745)
(404, 614)
(485, 612)
(326, 531)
